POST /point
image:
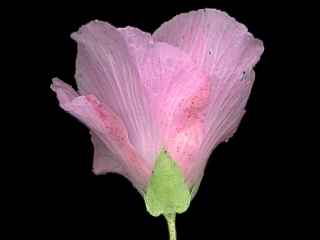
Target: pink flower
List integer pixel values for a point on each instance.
(183, 88)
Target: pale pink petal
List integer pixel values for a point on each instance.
(65, 92)
(178, 90)
(224, 123)
(106, 69)
(216, 41)
(222, 46)
(108, 127)
(104, 161)
(138, 42)
(150, 57)
(227, 52)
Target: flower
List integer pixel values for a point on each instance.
(183, 88)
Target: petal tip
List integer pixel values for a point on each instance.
(56, 83)
(65, 93)
(93, 27)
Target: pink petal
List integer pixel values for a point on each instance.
(227, 52)
(104, 161)
(224, 123)
(109, 129)
(215, 41)
(178, 90)
(65, 92)
(106, 69)
(138, 43)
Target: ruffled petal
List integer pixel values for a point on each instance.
(178, 90)
(227, 52)
(104, 161)
(109, 129)
(215, 41)
(106, 69)
(138, 43)
(226, 119)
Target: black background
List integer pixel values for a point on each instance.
(245, 190)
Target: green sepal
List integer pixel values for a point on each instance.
(167, 193)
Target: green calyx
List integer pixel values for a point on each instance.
(167, 193)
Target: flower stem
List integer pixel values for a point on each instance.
(171, 221)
